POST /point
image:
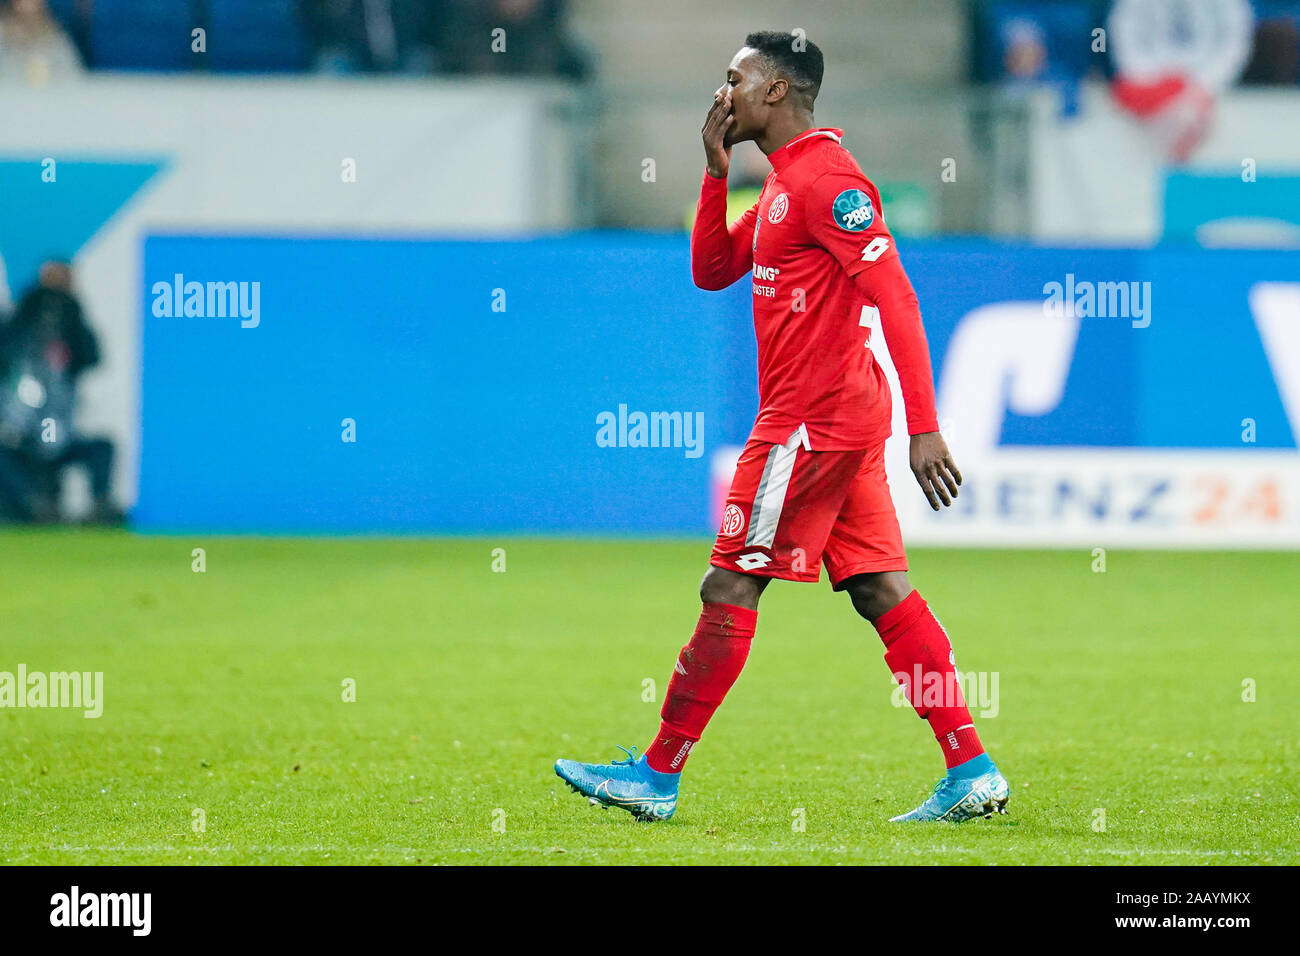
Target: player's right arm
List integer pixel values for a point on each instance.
(845, 220)
(720, 254)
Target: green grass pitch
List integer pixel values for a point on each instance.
(223, 693)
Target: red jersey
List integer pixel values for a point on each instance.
(818, 249)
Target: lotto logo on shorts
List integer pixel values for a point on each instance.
(753, 561)
(733, 520)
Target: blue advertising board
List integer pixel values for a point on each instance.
(581, 383)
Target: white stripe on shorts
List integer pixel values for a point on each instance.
(769, 500)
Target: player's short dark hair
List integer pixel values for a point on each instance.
(794, 55)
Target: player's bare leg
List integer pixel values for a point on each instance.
(874, 594)
(721, 586)
(920, 656)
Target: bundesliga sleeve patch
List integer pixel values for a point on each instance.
(852, 210)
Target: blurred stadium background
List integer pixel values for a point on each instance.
(459, 233)
(342, 267)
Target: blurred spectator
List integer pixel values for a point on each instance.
(33, 47)
(1023, 43)
(1023, 46)
(44, 349)
(372, 36)
(535, 38)
(1024, 50)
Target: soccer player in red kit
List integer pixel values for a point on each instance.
(810, 484)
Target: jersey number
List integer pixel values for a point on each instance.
(875, 249)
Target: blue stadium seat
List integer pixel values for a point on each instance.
(74, 17)
(62, 10)
(256, 36)
(141, 35)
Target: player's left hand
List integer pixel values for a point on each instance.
(934, 470)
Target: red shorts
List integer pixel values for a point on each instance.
(790, 509)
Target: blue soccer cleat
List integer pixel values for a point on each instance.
(957, 799)
(647, 794)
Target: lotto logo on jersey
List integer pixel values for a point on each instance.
(852, 210)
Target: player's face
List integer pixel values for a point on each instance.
(748, 84)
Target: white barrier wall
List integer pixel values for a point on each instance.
(304, 155)
(1099, 175)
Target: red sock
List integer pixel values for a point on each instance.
(920, 657)
(705, 671)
